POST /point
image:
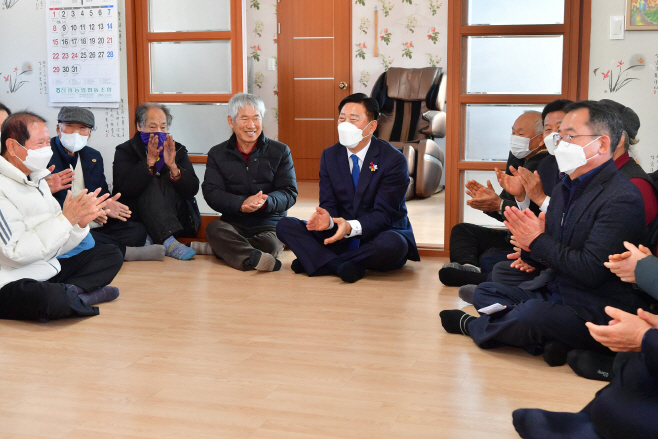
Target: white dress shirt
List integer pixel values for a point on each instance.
(355, 224)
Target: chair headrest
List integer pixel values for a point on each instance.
(410, 84)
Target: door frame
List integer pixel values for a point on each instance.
(285, 72)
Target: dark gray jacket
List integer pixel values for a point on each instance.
(601, 217)
(229, 180)
(646, 275)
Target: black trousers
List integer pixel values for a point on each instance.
(626, 408)
(120, 233)
(386, 251)
(27, 299)
(233, 243)
(470, 242)
(164, 212)
(529, 322)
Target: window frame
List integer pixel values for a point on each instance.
(575, 81)
(138, 38)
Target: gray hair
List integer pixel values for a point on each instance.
(539, 123)
(241, 100)
(140, 112)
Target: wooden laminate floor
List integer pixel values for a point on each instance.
(199, 350)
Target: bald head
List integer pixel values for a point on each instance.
(529, 124)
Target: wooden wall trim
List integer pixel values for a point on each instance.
(508, 99)
(188, 36)
(584, 36)
(453, 124)
(131, 58)
(521, 30)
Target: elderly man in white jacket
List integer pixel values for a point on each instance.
(49, 266)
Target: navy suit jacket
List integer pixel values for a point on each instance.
(93, 170)
(609, 211)
(549, 173)
(378, 202)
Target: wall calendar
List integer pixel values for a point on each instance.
(83, 52)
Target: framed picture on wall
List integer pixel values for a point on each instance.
(641, 14)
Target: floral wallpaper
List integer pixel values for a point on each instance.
(409, 33)
(261, 46)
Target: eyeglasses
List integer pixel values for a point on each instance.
(557, 138)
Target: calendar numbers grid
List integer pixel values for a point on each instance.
(83, 62)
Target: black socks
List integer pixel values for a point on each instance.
(591, 365)
(297, 267)
(350, 272)
(455, 277)
(456, 321)
(555, 353)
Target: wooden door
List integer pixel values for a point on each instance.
(314, 59)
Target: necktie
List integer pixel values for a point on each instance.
(355, 169)
(353, 243)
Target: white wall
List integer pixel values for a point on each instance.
(23, 29)
(637, 48)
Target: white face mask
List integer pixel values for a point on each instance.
(570, 156)
(74, 142)
(349, 135)
(520, 146)
(37, 159)
(549, 141)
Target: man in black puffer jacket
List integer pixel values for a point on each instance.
(250, 180)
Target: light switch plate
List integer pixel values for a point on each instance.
(616, 27)
(271, 64)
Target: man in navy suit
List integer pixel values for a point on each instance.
(361, 222)
(593, 210)
(77, 167)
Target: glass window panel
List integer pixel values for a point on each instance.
(199, 126)
(474, 216)
(506, 12)
(189, 15)
(514, 64)
(190, 67)
(488, 129)
(200, 171)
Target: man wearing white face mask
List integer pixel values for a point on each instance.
(475, 249)
(362, 221)
(527, 187)
(77, 166)
(593, 210)
(49, 266)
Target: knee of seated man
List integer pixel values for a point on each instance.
(392, 244)
(487, 293)
(459, 230)
(286, 224)
(532, 313)
(605, 411)
(213, 227)
(114, 257)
